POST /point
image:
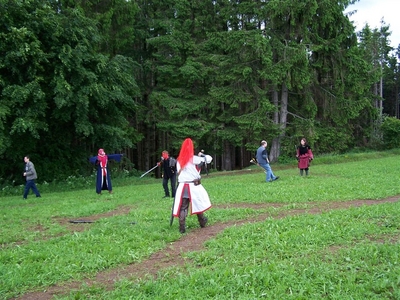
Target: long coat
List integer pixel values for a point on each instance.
(103, 182)
(304, 156)
(197, 194)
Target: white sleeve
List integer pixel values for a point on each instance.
(197, 160)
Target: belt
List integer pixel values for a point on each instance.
(196, 181)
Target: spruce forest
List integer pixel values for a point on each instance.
(137, 77)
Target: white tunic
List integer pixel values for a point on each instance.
(198, 196)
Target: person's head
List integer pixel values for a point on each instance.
(187, 152)
(165, 154)
(26, 158)
(264, 143)
(101, 152)
(303, 141)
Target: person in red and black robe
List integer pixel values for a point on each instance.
(304, 156)
(103, 180)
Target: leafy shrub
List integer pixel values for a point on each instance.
(391, 132)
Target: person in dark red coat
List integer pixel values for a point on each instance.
(103, 180)
(304, 156)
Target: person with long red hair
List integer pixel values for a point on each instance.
(103, 179)
(190, 194)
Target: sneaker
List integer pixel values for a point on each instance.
(276, 178)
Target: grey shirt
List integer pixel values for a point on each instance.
(30, 171)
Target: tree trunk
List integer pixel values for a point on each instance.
(276, 142)
(275, 101)
(227, 155)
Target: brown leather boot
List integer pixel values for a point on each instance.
(182, 227)
(182, 221)
(202, 220)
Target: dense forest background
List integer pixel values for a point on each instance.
(137, 77)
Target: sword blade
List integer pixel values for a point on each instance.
(147, 172)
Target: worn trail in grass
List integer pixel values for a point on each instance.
(194, 240)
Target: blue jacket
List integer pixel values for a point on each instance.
(262, 155)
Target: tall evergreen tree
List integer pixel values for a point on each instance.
(375, 46)
(339, 76)
(61, 95)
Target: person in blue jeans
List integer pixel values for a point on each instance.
(31, 176)
(263, 161)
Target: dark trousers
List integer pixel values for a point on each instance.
(30, 184)
(183, 214)
(301, 171)
(173, 185)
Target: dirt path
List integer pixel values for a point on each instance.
(192, 241)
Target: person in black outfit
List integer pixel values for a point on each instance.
(169, 173)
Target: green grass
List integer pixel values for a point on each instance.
(341, 254)
(304, 257)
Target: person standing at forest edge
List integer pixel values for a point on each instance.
(30, 176)
(304, 156)
(190, 188)
(103, 180)
(263, 161)
(169, 167)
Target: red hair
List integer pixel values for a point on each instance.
(186, 153)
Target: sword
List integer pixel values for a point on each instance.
(254, 162)
(147, 172)
(171, 220)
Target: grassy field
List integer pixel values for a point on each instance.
(344, 253)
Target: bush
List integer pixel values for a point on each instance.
(391, 132)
